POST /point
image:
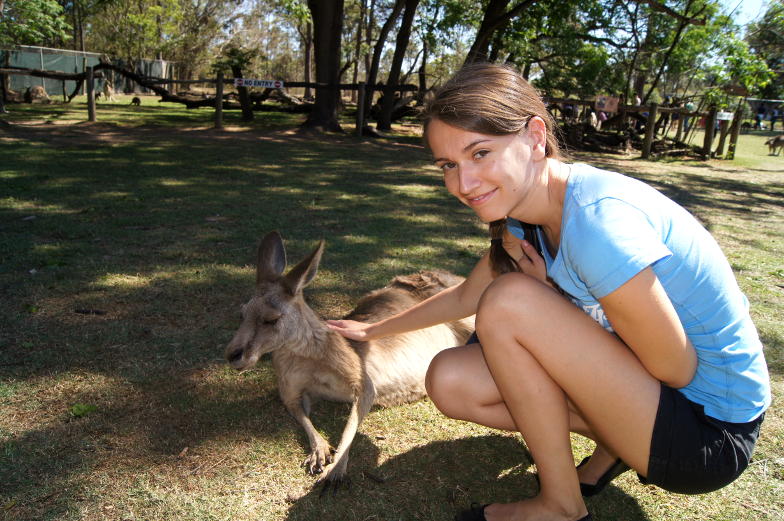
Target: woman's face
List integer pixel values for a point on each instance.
(490, 174)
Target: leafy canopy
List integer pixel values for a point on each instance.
(32, 22)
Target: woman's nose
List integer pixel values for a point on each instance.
(468, 180)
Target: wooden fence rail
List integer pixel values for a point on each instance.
(653, 110)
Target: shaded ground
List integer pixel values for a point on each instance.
(124, 254)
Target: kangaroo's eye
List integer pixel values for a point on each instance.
(270, 321)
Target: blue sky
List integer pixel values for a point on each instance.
(747, 10)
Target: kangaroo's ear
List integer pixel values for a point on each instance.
(301, 274)
(271, 259)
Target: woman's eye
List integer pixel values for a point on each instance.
(447, 166)
(479, 154)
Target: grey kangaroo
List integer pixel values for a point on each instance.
(313, 362)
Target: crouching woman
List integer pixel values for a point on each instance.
(628, 327)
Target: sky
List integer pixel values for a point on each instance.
(747, 10)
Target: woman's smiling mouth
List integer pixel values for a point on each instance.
(476, 201)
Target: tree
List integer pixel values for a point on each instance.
(298, 14)
(32, 22)
(236, 60)
(184, 31)
(401, 44)
(378, 48)
(766, 39)
(29, 22)
(327, 18)
(496, 17)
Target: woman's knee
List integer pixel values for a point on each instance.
(507, 300)
(443, 383)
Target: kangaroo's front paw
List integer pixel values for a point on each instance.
(320, 457)
(334, 479)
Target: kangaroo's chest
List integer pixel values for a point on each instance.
(298, 375)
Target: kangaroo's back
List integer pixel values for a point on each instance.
(397, 364)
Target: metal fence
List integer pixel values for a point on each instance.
(64, 60)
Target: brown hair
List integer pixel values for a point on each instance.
(491, 99)
(500, 260)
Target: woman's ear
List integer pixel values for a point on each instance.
(537, 133)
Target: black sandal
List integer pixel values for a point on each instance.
(477, 513)
(617, 468)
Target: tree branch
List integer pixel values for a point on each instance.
(662, 8)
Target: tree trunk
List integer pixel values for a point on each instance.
(377, 50)
(247, 109)
(681, 26)
(308, 44)
(644, 57)
(3, 76)
(527, 69)
(327, 30)
(358, 47)
(369, 38)
(422, 74)
(401, 44)
(498, 44)
(495, 17)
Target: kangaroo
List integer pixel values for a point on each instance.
(775, 144)
(108, 91)
(313, 362)
(136, 101)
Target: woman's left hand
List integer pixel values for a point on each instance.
(525, 255)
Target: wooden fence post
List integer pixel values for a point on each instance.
(360, 107)
(734, 131)
(723, 129)
(219, 101)
(90, 94)
(710, 131)
(650, 130)
(679, 133)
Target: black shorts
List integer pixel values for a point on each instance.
(691, 452)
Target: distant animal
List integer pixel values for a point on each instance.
(108, 91)
(136, 101)
(36, 94)
(313, 362)
(775, 144)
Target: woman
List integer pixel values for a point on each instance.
(629, 328)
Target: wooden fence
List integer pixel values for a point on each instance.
(651, 112)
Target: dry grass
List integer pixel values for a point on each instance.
(124, 260)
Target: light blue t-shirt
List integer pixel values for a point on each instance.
(613, 227)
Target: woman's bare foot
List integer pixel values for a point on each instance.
(536, 509)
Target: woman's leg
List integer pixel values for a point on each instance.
(461, 386)
(544, 353)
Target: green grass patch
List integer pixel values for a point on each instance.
(127, 247)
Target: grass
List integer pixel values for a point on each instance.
(126, 248)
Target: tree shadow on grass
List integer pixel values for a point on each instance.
(435, 481)
(167, 425)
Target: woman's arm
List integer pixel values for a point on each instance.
(641, 313)
(453, 303)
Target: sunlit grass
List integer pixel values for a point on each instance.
(121, 286)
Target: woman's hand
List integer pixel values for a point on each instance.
(525, 255)
(351, 329)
